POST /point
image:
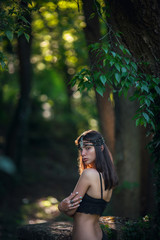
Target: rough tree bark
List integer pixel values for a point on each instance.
(17, 134)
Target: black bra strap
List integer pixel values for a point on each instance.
(101, 185)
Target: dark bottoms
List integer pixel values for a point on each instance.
(104, 236)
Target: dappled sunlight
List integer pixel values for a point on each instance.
(93, 124)
(46, 110)
(42, 210)
(68, 37)
(77, 95)
(63, 5)
(71, 71)
(44, 43)
(36, 58)
(38, 24)
(43, 97)
(41, 66)
(111, 221)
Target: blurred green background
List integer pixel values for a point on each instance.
(41, 115)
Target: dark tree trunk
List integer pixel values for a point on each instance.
(139, 23)
(17, 135)
(105, 108)
(127, 157)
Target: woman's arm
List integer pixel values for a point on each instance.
(80, 189)
(69, 203)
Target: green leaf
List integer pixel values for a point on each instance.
(105, 50)
(117, 77)
(121, 47)
(134, 65)
(103, 79)
(144, 87)
(104, 62)
(24, 19)
(27, 36)
(123, 69)
(20, 32)
(156, 80)
(146, 116)
(113, 54)
(127, 60)
(117, 67)
(127, 51)
(148, 110)
(157, 89)
(138, 121)
(100, 90)
(148, 102)
(9, 35)
(151, 98)
(111, 62)
(153, 126)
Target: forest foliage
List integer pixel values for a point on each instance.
(62, 80)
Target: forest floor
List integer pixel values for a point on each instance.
(33, 198)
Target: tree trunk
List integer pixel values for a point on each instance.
(105, 107)
(127, 157)
(139, 23)
(17, 135)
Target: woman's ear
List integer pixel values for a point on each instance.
(102, 148)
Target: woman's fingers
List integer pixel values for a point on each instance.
(75, 204)
(72, 195)
(73, 198)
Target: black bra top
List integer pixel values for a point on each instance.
(92, 205)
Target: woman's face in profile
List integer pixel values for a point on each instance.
(88, 153)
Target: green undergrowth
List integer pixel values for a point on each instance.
(140, 230)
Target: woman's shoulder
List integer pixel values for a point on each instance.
(90, 172)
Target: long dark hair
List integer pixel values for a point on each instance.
(104, 161)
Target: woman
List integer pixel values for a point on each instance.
(94, 187)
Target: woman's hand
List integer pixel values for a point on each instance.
(70, 203)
